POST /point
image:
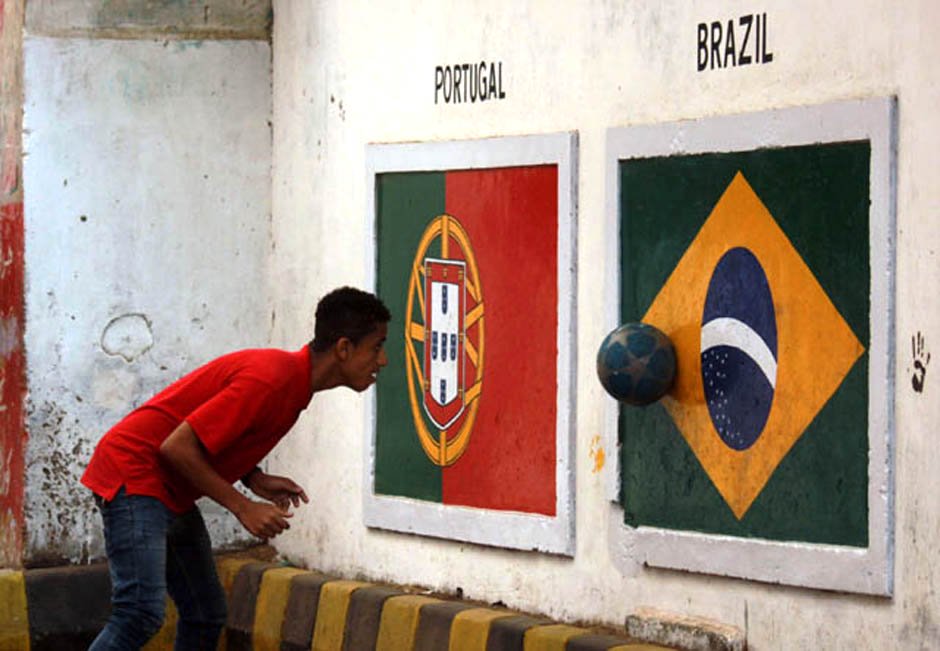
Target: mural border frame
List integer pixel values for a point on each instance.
(867, 570)
(505, 529)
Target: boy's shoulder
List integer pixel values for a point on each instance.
(270, 365)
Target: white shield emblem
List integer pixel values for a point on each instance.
(445, 302)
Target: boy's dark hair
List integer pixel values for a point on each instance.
(347, 312)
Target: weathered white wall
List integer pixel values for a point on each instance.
(147, 220)
(353, 72)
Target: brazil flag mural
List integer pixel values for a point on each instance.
(467, 414)
(763, 282)
(760, 245)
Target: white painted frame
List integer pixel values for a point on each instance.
(830, 567)
(509, 529)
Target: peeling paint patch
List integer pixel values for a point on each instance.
(129, 336)
(5, 471)
(10, 337)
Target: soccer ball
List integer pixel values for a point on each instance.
(636, 364)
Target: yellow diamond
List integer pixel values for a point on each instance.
(816, 347)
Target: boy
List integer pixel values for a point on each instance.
(197, 437)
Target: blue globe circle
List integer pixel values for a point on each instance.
(636, 364)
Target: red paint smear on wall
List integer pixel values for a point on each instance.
(12, 378)
(511, 218)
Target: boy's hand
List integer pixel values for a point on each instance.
(264, 520)
(283, 491)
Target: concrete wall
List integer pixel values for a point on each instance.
(350, 73)
(147, 238)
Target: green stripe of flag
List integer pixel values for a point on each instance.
(406, 203)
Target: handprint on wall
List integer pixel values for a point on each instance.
(921, 360)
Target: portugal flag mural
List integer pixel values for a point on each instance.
(466, 413)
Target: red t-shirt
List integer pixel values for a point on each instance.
(240, 405)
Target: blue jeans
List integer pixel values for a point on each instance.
(152, 551)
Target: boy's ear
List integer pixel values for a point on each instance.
(343, 347)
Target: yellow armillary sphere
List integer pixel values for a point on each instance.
(442, 387)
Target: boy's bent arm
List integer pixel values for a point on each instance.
(183, 452)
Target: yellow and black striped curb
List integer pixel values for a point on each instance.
(64, 608)
(277, 608)
(56, 608)
(14, 625)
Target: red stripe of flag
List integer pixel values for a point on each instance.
(511, 218)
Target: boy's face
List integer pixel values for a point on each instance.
(364, 360)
